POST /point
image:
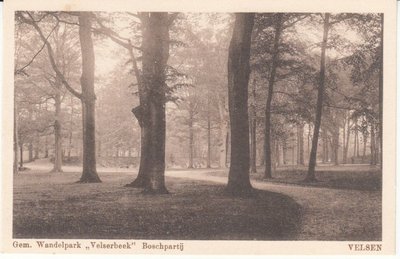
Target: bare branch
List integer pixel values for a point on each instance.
(51, 55)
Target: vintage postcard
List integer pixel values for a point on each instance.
(199, 127)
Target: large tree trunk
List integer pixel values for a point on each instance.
(154, 73)
(57, 133)
(155, 57)
(89, 173)
(321, 91)
(267, 133)
(142, 177)
(238, 78)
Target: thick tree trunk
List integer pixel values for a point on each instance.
(142, 177)
(271, 82)
(155, 57)
(238, 78)
(89, 173)
(57, 167)
(321, 92)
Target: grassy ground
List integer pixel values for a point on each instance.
(363, 178)
(53, 206)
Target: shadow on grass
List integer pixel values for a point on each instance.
(193, 210)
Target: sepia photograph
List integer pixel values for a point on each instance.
(146, 130)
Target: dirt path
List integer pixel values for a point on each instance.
(328, 214)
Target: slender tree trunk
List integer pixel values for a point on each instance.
(227, 144)
(238, 78)
(335, 146)
(365, 136)
(357, 144)
(89, 173)
(381, 94)
(191, 146)
(57, 167)
(324, 147)
(267, 133)
(372, 146)
(308, 141)
(15, 130)
(346, 144)
(21, 155)
(284, 152)
(208, 136)
(71, 121)
(300, 132)
(321, 92)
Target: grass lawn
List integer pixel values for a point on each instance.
(53, 206)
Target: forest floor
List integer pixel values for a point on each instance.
(53, 206)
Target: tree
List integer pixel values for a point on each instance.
(238, 78)
(87, 97)
(321, 91)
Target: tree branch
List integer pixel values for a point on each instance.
(51, 56)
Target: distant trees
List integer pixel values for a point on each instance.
(87, 97)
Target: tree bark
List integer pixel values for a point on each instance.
(238, 78)
(89, 173)
(208, 137)
(191, 141)
(300, 143)
(321, 91)
(381, 94)
(372, 145)
(156, 43)
(271, 82)
(253, 132)
(21, 155)
(346, 141)
(15, 166)
(57, 167)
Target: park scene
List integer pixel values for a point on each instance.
(198, 126)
